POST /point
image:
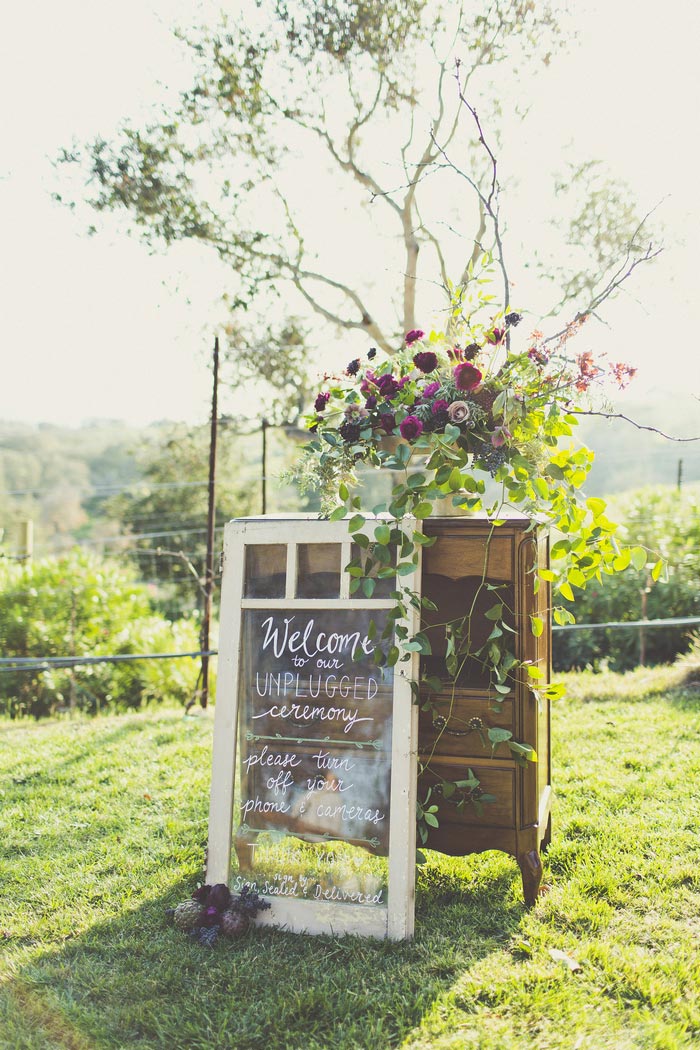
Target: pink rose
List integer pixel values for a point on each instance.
(458, 412)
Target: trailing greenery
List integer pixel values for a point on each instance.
(103, 826)
(660, 519)
(84, 605)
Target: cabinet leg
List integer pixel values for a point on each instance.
(531, 870)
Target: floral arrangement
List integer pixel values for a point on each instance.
(464, 399)
(478, 417)
(214, 910)
(470, 421)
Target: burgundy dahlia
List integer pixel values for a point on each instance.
(467, 377)
(439, 406)
(387, 422)
(413, 336)
(411, 428)
(387, 386)
(321, 401)
(426, 360)
(349, 432)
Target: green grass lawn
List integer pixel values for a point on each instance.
(103, 826)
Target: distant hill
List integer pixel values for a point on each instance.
(62, 478)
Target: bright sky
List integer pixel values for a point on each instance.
(97, 327)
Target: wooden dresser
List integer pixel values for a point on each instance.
(470, 553)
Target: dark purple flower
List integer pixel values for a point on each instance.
(410, 427)
(439, 420)
(513, 320)
(371, 402)
(219, 897)
(387, 386)
(201, 893)
(500, 436)
(413, 336)
(467, 377)
(321, 401)
(349, 432)
(471, 351)
(353, 368)
(211, 917)
(387, 422)
(371, 353)
(439, 406)
(426, 360)
(431, 389)
(496, 336)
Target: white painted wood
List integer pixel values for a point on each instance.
(226, 709)
(402, 842)
(396, 919)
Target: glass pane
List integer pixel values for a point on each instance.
(312, 816)
(265, 570)
(318, 570)
(383, 586)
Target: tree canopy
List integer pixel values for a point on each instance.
(333, 155)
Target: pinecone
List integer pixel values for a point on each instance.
(188, 916)
(234, 923)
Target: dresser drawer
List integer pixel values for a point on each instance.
(460, 726)
(498, 779)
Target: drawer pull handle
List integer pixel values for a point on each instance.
(475, 725)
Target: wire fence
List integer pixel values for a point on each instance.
(43, 663)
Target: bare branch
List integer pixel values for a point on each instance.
(639, 426)
(365, 322)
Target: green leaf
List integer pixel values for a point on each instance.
(343, 491)
(416, 480)
(405, 568)
(622, 560)
(638, 557)
(452, 433)
(356, 522)
(423, 510)
(455, 479)
(382, 534)
(565, 590)
(596, 506)
(337, 513)
(536, 626)
(368, 586)
(392, 656)
(431, 819)
(656, 571)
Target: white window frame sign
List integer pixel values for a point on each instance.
(392, 918)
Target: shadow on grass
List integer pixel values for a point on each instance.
(137, 982)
